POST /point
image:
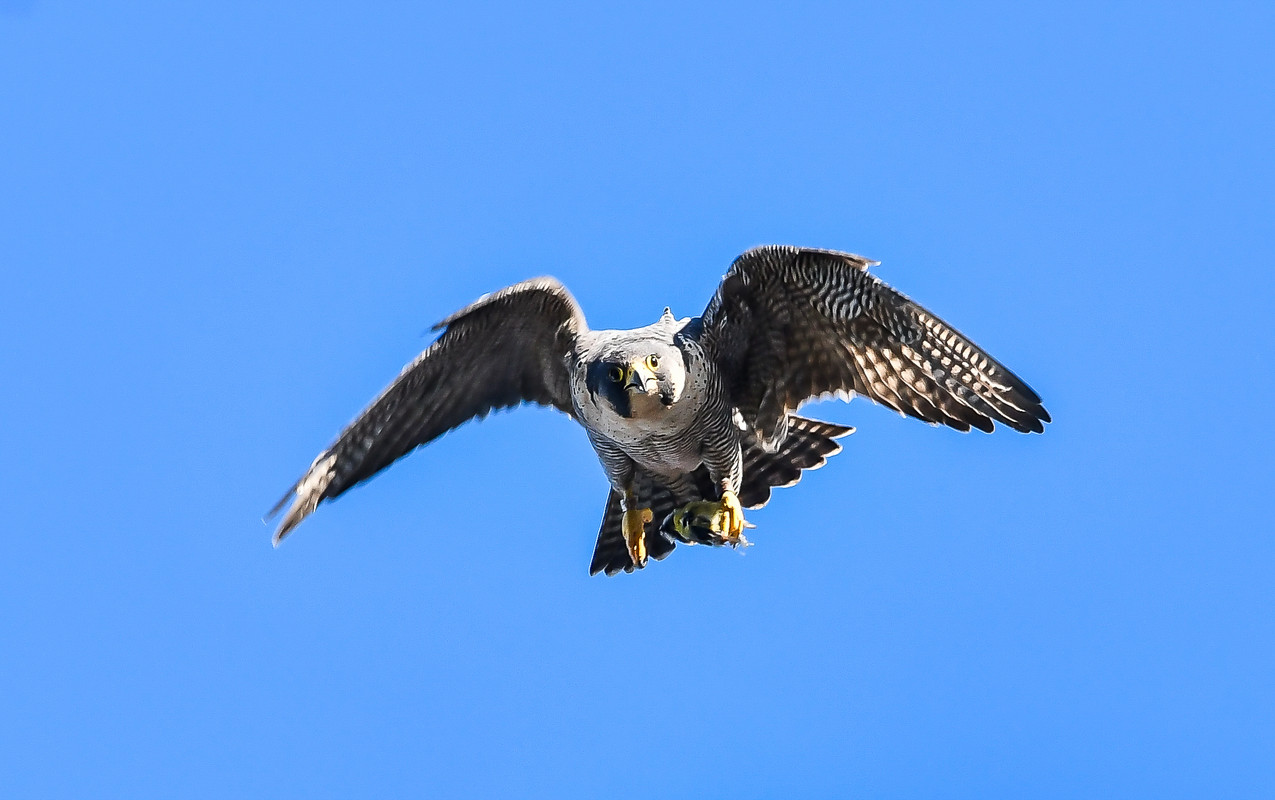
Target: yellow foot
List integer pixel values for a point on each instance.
(635, 520)
(717, 523)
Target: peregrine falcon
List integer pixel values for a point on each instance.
(693, 419)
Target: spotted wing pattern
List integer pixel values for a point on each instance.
(507, 348)
(790, 324)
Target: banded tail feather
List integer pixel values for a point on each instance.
(808, 445)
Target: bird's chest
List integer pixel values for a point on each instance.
(663, 439)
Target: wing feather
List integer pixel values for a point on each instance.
(789, 324)
(507, 348)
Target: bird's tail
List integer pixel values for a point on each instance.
(809, 445)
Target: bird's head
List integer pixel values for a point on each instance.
(639, 379)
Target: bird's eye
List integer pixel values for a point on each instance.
(653, 361)
(615, 374)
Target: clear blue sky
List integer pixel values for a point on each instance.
(225, 226)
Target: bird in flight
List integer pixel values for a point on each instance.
(693, 419)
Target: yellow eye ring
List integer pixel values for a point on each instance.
(615, 374)
(653, 361)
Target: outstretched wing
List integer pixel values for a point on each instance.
(790, 324)
(507, 348)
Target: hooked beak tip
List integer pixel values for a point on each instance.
(636, 381)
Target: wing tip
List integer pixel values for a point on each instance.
(277, 507)
(305, 494)
(287, 524)
(1032, 421)
(290, 521)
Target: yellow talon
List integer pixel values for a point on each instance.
(734, 518)
(635, 520)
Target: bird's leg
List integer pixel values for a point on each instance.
(734, 512)
(635, 520)
(716, 523)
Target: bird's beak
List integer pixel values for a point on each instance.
(637, 377)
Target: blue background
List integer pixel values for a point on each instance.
(224, 227)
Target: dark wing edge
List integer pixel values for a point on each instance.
(788, 325)
(504, 349)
